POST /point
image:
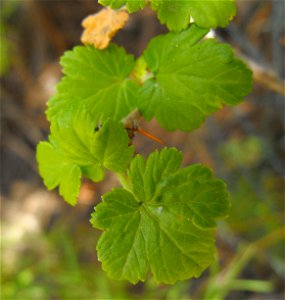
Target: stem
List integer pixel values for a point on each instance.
(123, 180)
(261, 286)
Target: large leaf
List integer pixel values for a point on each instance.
(191, 79)
(162, 221)
(75, 149)
(176, 14)
(97, 79)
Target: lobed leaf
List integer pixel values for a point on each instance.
(176, 14)
(191, 79)
(163, 221)
(98, 80)
(75, 149)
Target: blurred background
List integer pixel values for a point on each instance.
(48, 248)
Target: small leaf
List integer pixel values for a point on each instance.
(102, 26)
(205, 75)
(57, 171)
(164, 221)
(111, 147)
(176, 14)
(140, 70)
(75, 149)
(98, 80)
(131, 5)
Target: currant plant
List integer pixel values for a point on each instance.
(163, 218)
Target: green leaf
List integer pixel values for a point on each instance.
(206, 13)
(110, 147)
(210, 203)
(132, 5)
(57, 171)
(75, 137)
(145, 176)
(163, 221)
(176, 14)
(191, 79)
(97, 79)
(75, 149)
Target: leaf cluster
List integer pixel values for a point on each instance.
(164, 216)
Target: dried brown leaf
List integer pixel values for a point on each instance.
(102, 26)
